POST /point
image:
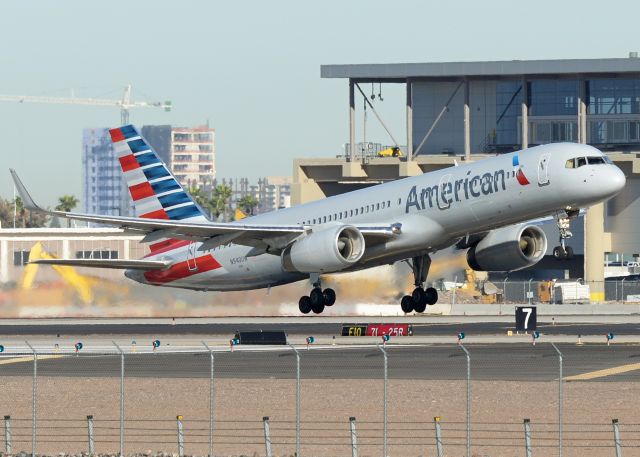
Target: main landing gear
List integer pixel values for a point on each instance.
(564, 252)
(317, 299)
(420, 297)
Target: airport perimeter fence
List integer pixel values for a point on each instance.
(367, 400)
(531, 291)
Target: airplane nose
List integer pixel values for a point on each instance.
(615, 180)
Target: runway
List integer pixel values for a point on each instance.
(519, 362)
(315, 325)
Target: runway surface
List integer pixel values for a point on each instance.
(436, 362)
(432, 326)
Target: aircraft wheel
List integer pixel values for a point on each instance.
(406, 304)
(328, 297)
(559, 253)
(317, 309)
(316, 297)
(304, 305)
(419, 297)
(420, 307)
(568, 252)
(432, 296)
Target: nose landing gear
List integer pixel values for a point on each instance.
(420, 298)
(564, 252)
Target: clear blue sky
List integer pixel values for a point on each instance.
(253, 68)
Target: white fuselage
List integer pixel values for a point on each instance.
(434, 210)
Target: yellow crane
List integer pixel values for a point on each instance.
(125, 103)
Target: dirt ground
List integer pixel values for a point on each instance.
(151, 407)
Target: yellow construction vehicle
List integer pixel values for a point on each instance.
(81, 284)
(390, 152)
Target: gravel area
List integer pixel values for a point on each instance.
(151, 407)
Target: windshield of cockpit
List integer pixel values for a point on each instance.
(578, 162)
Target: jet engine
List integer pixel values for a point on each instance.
(508, 249)
(328, 250)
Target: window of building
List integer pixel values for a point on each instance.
(97, 254)
(20, 257)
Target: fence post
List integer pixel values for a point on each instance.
(121, 398)
(212, 396)
(92, 447)
(384, 400)
(7, 435)
(560, 400)
(616, 437)
(34, 411)
(439, 448)
(180, 436)
(354, 437)
(468, 399)
(267, 436)
(527, 437)
(297, 399)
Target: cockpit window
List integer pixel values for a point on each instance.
(596, 160)
(570, 164)
(608, 161)
(580, 162)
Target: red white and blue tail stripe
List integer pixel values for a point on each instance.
(155, 192)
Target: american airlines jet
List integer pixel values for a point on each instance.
(482, 207)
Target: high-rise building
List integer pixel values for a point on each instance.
(189, 152)
(271, 192)
(103, 188)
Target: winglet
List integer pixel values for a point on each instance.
(24, 194)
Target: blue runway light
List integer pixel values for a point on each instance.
(310, 340)
(461, 336)
(1, 348)
(156, 344)
(78, 346)
(386, 338)
(610, 336)
(536, 334)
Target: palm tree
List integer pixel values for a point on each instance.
(220, 200)
(248, 203)
(66, 203)
(198, 195)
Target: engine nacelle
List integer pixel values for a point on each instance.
(325, 251)
(508, 249)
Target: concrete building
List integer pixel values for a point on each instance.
(271, 192)
(188, 151)
(103, 188)
(469, 110)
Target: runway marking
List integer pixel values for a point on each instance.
(28, 359)
(604, 373)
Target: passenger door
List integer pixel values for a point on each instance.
(191, 256)
(543, 170)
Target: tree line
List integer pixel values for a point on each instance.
(14, 214)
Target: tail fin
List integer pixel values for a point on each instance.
(155, 191)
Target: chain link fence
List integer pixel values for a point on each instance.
(509, 291)
(398, 400)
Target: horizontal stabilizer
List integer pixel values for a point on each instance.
(108, 263)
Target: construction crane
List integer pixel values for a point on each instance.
(124, 103)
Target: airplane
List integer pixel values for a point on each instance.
(485, 207)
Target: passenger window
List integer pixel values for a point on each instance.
(377, 206)
(399, 201)
(570, 164)
(362, 210)
(367, 208)
(351, 213)
(388, 203)
(581, 161)
(314, 221)
(356, 211)
(595, 160)
(335, 217)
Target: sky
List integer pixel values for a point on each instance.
(252, 69)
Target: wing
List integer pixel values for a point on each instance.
(268, 238)
(108, 263)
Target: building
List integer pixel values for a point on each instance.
(103, 187)
(271, 192)
(188, 151)
(468, 110)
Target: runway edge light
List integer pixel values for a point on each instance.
(1, 348)
(609, 338)
(461, 336)
(78, 346)
(535, 335)
(156, 344)
(310, 340)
